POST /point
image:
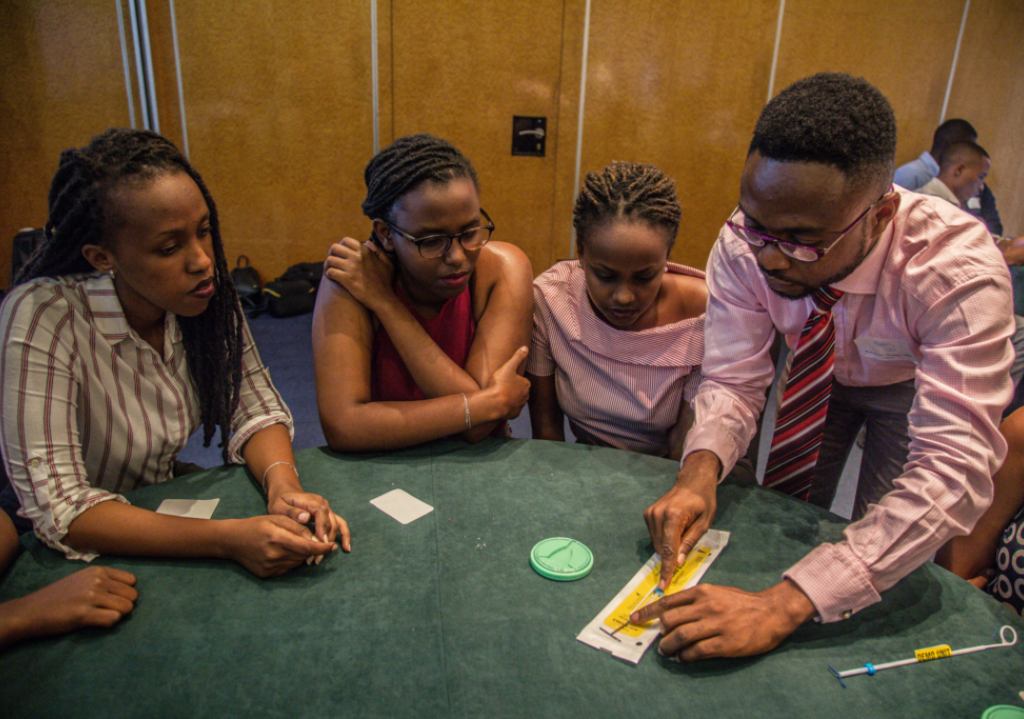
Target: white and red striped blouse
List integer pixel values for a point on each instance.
(91, 410)
(623, 389)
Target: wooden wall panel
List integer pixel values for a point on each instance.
(988, 91)
(905, 49)
(61, 83)
(461, 72)
(278, 103)
(679, 85)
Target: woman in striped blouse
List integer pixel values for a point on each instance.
(618, 335)
(124, 336)
(422, 331)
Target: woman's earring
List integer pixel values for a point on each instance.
(111, 273)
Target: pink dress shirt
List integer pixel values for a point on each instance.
(618, 388)
(932, 302)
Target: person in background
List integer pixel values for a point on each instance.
(897, 306)
(962, 170)
(916, 173)
(991, 557)
(618, 335)
(123, 336)
(422, 331)
(93, 597)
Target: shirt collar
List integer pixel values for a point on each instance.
(930, 163)
(864, 279)
(108, 315)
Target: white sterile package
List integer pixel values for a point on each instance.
(612, 632)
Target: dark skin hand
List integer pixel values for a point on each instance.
(710, 621)
(682, 516)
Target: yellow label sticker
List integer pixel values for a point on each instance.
(620, 615)
(940, 652)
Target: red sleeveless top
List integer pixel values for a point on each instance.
(453, 330)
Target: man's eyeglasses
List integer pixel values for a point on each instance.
(795, 250)
(433, 246)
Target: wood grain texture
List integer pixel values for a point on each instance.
(278, 101)
(61, 83)
(679, 86)
(461, 71)
(904, 49)
(988, 91)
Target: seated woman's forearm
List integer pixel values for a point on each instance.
(374, 426)
(115, 528)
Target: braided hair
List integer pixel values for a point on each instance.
(627, 191)
(407, 163)
(81, 214)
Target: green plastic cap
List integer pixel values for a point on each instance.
(562, 559)
(1003, 711)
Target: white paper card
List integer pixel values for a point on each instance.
(192, 508)
(631, 641)
(401, 505)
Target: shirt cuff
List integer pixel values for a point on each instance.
(834, 581)
(722, 444)
(244, 433)
(52, 535)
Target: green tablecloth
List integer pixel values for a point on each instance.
(445, 618)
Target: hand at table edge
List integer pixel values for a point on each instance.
(684, 513)
(92, 597)
(709, 621)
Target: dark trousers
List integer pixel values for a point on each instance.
(885, 410)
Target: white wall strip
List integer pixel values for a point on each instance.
(177, 68)
(956, 56)
(137, 42)
(147, 57)
(579, 126)
(124, 56)
(775, 52)
(373, 76)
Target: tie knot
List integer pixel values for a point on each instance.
(825, 297)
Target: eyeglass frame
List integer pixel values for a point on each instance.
(783, 245)
(490, 227)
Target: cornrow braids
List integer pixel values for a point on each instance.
(80, 214)
(627, 191)
(404, 165)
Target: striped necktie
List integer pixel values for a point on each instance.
(804, 405)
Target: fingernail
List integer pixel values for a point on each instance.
(309, 560)
(661, 652)
(320, 559)
(304, 517)
(323, 539)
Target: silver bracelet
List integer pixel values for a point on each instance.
(469, 422)
(286, 464)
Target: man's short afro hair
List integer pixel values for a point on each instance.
(834, 119)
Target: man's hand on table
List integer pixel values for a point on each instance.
(711, 621)
(683, 515)
(303, 507)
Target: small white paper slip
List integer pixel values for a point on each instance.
(192, 508)
(401, 505)
(631, 641)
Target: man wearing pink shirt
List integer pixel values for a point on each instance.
(922, 330)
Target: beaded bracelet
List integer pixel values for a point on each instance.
(469, 422)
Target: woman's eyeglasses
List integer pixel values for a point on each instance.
(433, 246)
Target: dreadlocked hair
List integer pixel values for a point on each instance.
(407, 163)
(627, 191)
(80, 214)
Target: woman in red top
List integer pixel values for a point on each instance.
(422, 334)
